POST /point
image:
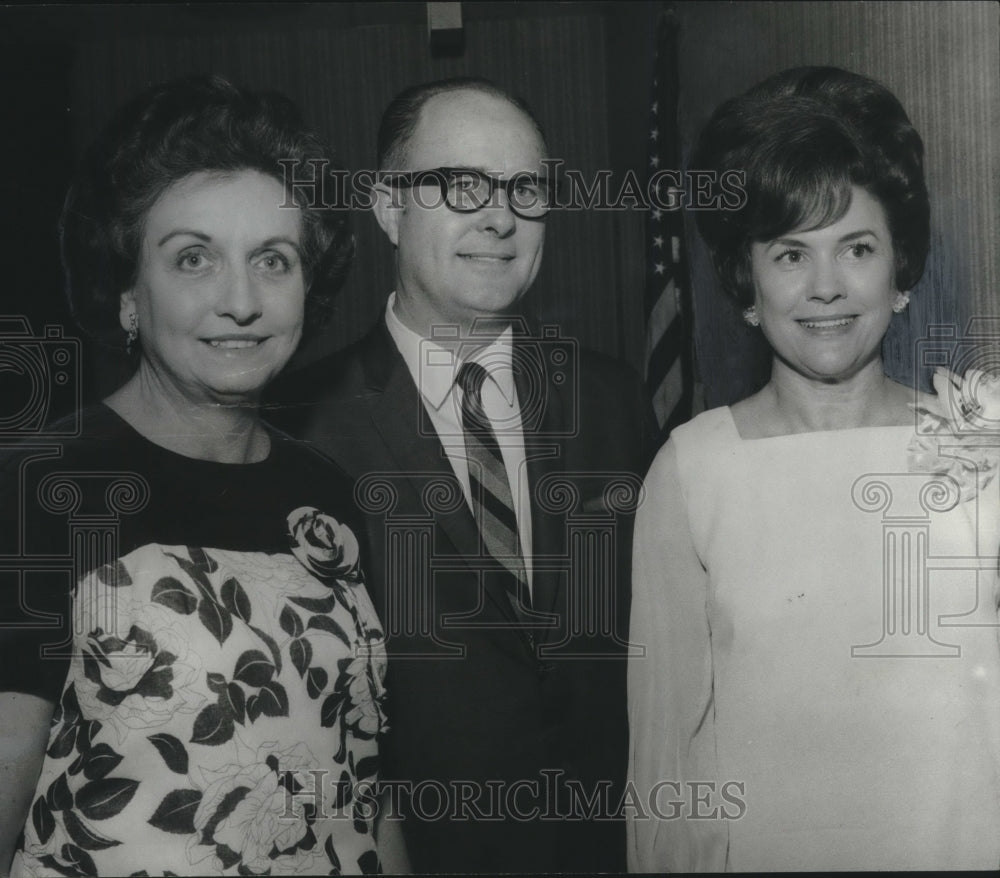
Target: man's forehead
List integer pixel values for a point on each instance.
(473, 129)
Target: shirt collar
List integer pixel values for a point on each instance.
(435, 369)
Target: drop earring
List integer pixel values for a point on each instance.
(132, 333)
(902, 300)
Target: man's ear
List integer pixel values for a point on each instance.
(126, 309)
(388, 208)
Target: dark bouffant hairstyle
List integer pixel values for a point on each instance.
(399, 121)
(803, 137)
(201, 123)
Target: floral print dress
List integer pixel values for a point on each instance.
(221, 706)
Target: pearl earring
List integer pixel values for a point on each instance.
(902, 300)
(750, 316)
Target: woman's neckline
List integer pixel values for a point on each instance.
(176, 455)
(839, 431)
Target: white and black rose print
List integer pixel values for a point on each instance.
(323, 545)
(215, 688)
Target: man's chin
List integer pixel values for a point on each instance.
(495, 302)
(492, 317)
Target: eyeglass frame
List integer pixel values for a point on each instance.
(442, 176)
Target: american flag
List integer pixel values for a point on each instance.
(669, 354)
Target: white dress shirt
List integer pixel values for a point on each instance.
(435, 371)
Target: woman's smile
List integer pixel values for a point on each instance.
(819, 325)
(236, 342)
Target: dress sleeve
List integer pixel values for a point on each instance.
(670, 702)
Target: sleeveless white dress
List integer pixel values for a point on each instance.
(825, 674)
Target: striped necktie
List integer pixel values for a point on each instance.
(492, 504)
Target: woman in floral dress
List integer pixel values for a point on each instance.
(192, 682)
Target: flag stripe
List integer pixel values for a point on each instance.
(664, 354)
(668, 394)
(669, 352)
(663, 312)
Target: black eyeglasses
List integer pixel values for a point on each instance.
(466, 190)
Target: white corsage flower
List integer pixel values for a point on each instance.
(958, 431)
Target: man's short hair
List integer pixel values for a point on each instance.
(400, 119)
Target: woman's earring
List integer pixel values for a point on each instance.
(902, 300)
(750, 315)
(133, 332)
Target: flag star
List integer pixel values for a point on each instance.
(656, 214)
(654, 161)
(658, 241)
(654, 134)
(659, 268)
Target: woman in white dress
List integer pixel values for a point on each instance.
(815, 580)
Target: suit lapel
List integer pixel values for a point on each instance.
(398, 415)
(544, 450)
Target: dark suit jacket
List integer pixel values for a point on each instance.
(498, 745)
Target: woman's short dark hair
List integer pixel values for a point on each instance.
(201, 123)
(803, 137)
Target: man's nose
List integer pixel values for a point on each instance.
(239, 297)
(497, 217)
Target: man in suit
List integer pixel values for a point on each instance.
(499, 500)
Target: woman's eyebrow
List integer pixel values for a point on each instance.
(843, 239)
(787, 242)
(201, 236)
(861, 233)
(280, 239)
